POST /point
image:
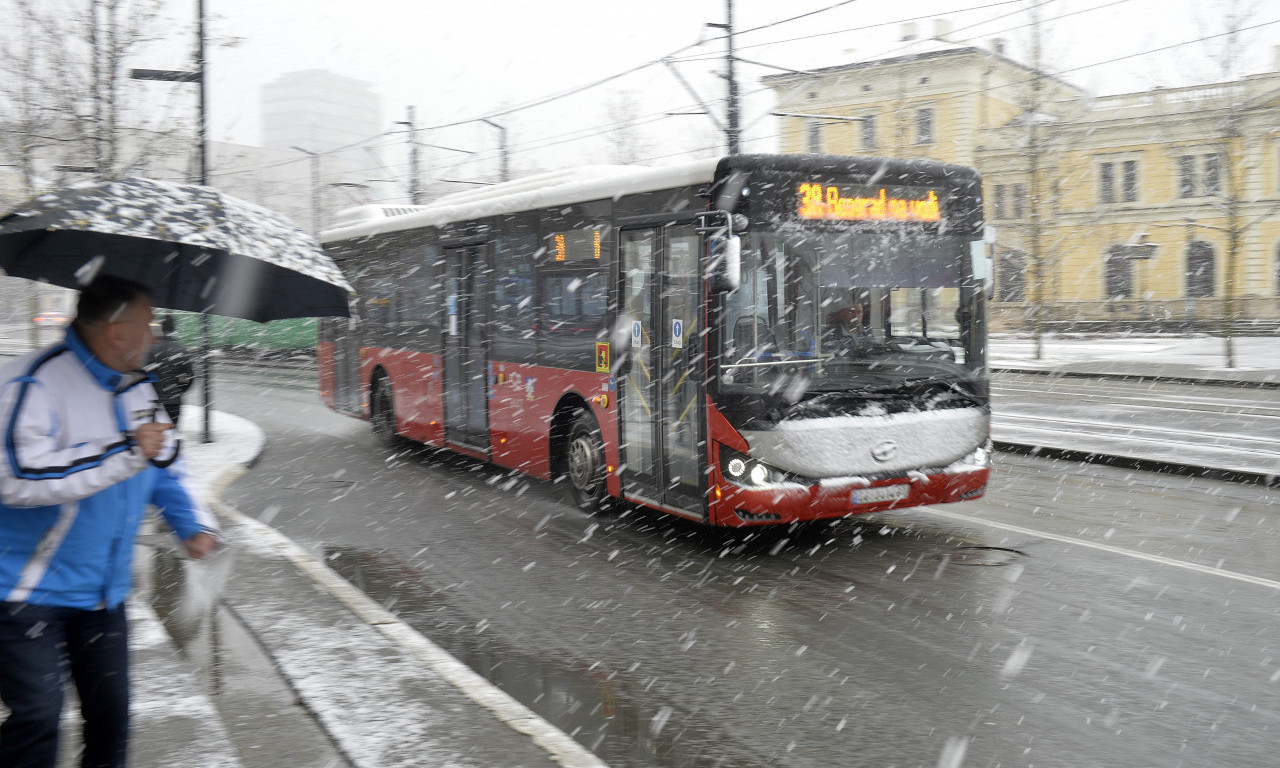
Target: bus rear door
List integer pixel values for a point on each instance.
(661, 390)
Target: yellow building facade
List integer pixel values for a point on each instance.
(1156, 210)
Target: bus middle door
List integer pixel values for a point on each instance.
(660, 393)
(466, 375)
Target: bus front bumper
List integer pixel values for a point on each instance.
(735, 506)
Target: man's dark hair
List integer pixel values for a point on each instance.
(104, 298)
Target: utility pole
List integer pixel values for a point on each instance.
(415, 188)
(1233, 257)
(731, 131)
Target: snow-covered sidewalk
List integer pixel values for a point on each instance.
(1256, 358)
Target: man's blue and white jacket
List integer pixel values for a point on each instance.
(74, 487)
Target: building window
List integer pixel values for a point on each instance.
(1119, 273)
(924, 126)
(1187, 176)
(1200, 175)
(1011, 275)
(1106, 183)
(869, 132)
(1201, 277)
(814, 141)
(1009, 199)
(1130, 188)
(1212, 174)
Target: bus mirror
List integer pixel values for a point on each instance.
(728, 263)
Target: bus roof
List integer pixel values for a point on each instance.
(539, 191)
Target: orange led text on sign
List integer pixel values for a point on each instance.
(826, 202)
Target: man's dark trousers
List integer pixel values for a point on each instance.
(39, 646)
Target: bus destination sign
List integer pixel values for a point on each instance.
(841, 202)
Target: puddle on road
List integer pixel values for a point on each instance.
(604, 710)
(978, 555)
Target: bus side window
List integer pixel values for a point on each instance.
(515, 314)
(574, 305)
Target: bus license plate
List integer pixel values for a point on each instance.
(882, 493)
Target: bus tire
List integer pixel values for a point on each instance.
(584, 465)
(382, 412)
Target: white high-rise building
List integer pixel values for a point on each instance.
(319, 111)
(332, 122)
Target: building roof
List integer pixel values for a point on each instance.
(912, 51)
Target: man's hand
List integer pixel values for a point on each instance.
(200, 545)
(150, 438)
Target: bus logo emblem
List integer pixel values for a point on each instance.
(602, 357)
(884, 451)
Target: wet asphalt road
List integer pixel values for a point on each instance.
(1076, 616)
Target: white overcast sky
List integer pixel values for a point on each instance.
(460, 60)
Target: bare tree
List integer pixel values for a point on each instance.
(69, 103)
(1228, 47)
(32, 89)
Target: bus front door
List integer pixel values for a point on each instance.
(660, 394)
(466, 382)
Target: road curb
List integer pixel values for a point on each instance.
(1146, 465)
(1141, 377)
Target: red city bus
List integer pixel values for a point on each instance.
(740, 341)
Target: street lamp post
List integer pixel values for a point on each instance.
(415, 184)
(200, 76)
(317, 221)
(502, 147)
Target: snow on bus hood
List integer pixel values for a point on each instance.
(870, 445)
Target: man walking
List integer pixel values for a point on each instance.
(84, 454)
(172, 368)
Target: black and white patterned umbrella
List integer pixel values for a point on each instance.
(197, 248)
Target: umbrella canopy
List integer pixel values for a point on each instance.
(197, 248)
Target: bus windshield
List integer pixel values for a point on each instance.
(824, 311)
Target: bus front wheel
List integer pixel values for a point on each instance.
(584, 464)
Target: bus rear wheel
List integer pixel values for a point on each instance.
(584, 464)
(382, 412)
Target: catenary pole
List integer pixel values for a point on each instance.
(205, 335)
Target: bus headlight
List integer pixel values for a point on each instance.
(740, 469)
(979, 458)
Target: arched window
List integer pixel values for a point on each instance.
(1119, 273)
(1201, 272)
